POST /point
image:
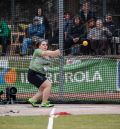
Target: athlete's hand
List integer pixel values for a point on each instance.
(57, 52)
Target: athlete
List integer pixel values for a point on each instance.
(37, 73)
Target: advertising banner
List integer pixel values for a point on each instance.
(94, 75)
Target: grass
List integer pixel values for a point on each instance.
(88, 122)
(23, 122)
(63, 122)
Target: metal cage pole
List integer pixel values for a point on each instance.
(13, 13)
(13, 10)
(61, 40)
(104, 7)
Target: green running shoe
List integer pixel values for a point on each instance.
(47, 104)
(33, 102)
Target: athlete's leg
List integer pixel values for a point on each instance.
(46, 93)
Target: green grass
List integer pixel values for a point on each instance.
(88, 122)
(63, 122)
(23, 122)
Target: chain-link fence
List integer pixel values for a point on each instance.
(86, 32)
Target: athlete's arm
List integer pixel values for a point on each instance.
(51, 53)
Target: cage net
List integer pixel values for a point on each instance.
(88, 36)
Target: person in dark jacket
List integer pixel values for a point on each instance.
(67, 22)
(76, 34)
(109, 23)
(85, 13)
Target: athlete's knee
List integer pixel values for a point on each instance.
(46, 84)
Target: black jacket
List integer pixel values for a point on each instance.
(89, 16)
(111, 26)
(77, 31)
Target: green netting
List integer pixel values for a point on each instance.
(77, 77)
(85, 79)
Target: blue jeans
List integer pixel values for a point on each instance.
(26, 43)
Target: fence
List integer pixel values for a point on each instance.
(81, 75)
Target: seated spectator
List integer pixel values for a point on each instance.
(91, 24)
(76, 34)
(98, 38)
(109, 23)
(85, 13)
(35, 31)
(5, 35)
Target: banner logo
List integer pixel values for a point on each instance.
(8, 76)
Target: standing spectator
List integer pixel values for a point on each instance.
(5, 35)
(67, 23)
(109, 23)
(43, 19)
(76, 34)
(98, 38)
(85, 13)
(35, 31)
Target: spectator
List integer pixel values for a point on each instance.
(85, 13)
(91, 24)
(35, 31)
(109, 23)
(67, 23)
(111, 26)
(5, 35)
(76, 33)
(44, 20)
(98, 38)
